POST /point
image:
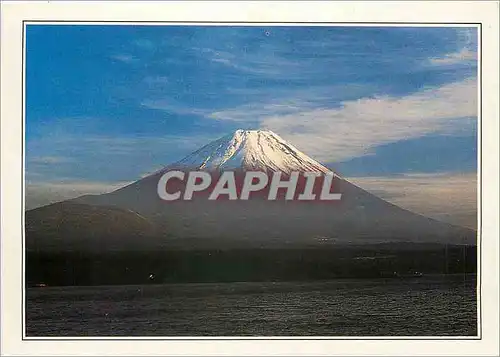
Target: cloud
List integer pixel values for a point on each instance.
(465, 55)
(285, 101)
(144, 44)
(152, 80)
(41, 194)
(105, 158)
(263, 63)
(49, 160)
(356, 127)
(230, 73)
(420, 193)
(170, 106)
(125, 58)
(255, 112)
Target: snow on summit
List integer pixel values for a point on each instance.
(251, 150)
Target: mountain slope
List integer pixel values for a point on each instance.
(68, 225)
(359, 218)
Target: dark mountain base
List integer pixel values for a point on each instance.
(182, 266)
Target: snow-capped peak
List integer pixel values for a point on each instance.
(251, 150)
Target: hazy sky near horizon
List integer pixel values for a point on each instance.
(106, 105)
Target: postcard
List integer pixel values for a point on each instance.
(246, 177)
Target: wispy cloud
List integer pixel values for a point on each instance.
(285, 101)
(255, 112)
(357, 126)
(465, 54)
(41, 194)
(125, 58)
(220, 72)
(253, 63)
(152, 80)
(170, 106)
(105, 158)
(419, 193)
(49, 160)
(143, 43)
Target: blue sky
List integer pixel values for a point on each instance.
(108, 104)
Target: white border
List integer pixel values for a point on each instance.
(13, 13)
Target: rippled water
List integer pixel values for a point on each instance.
(428, 306)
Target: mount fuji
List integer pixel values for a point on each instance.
(359, 218)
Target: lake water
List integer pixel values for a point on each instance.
(427, 306)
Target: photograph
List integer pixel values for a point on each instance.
(251, 180)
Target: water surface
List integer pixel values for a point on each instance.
(428, 306)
